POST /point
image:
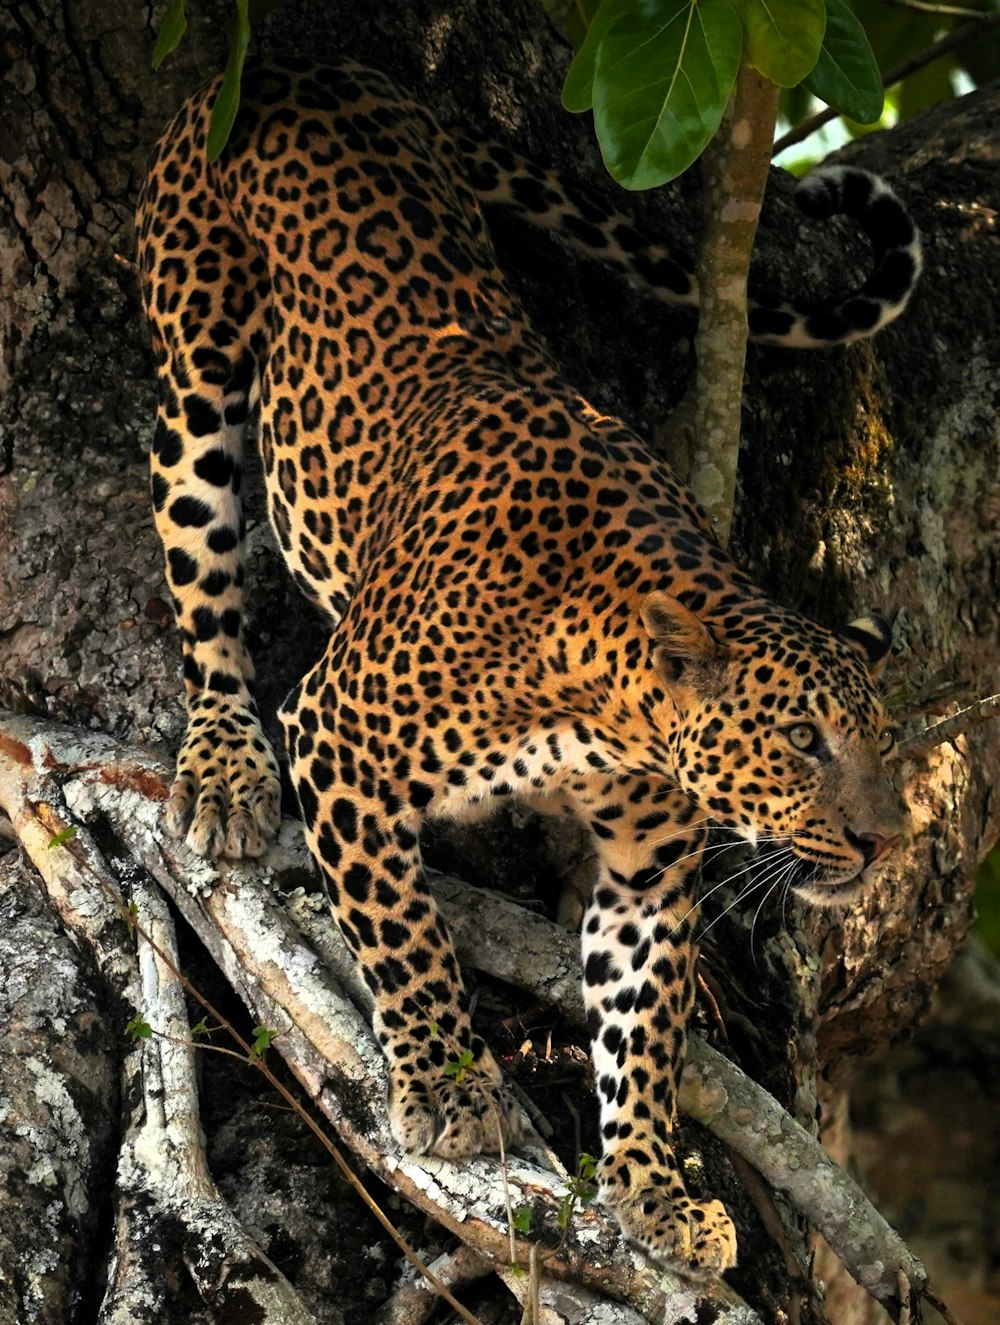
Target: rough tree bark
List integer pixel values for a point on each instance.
(869, 479)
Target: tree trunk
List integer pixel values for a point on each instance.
(870, 479)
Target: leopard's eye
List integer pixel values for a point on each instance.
(803, 737)
(886, 741)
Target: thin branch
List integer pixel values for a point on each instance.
(933, 52)
(941, 1307)
(946, 11)
(950, 728)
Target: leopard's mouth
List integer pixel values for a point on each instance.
(830, 889)
(819, 881)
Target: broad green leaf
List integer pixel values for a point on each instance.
(522, 1219)
(171, 31)
(796, 104)
(227, 102)
(846, 74)
(578, 89)
(662, 78)
(572, 18)
(784, 37)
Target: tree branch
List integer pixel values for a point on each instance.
(921, 743)
(330, 1049)
(326, 1043)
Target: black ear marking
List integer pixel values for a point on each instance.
(871, 636)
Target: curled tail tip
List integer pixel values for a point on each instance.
(867, 198)
(895, 240)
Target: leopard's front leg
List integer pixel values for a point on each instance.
(362, 818)
(226, 797)
(638, 960)
(208, 339)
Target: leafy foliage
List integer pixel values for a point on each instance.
(581, 1190)
(658, 73)
(457, 1067)
(261, 1042)
(172, 29)
(247, 14)
(846, 74)
(783, 38)
(138, 1028)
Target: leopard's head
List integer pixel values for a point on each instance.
(778, 733)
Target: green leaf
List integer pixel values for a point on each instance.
(262, 1038)
(62, 837)
(138, 1028)
(227, 102)
(200, 1028)
(578, 89)
(572, 18)
(662, 78)
(522, 1219)
(457, 1067)
(171, 31)
(783, 37)
(846, 74)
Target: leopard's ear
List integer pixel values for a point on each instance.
(676, 631)
(871, 636)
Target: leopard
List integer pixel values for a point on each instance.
(523, 598)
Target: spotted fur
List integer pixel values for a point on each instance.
(524, 601)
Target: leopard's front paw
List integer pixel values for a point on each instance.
(696, 1238)
(226, 799)
(431, 1113)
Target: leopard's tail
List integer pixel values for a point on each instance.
(548, 200)
(895, 243)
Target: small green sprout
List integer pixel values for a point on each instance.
(457, 1067)
(138, 1028)
(262, 1037)
(62, 837)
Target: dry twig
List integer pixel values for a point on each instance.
(949, 729)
